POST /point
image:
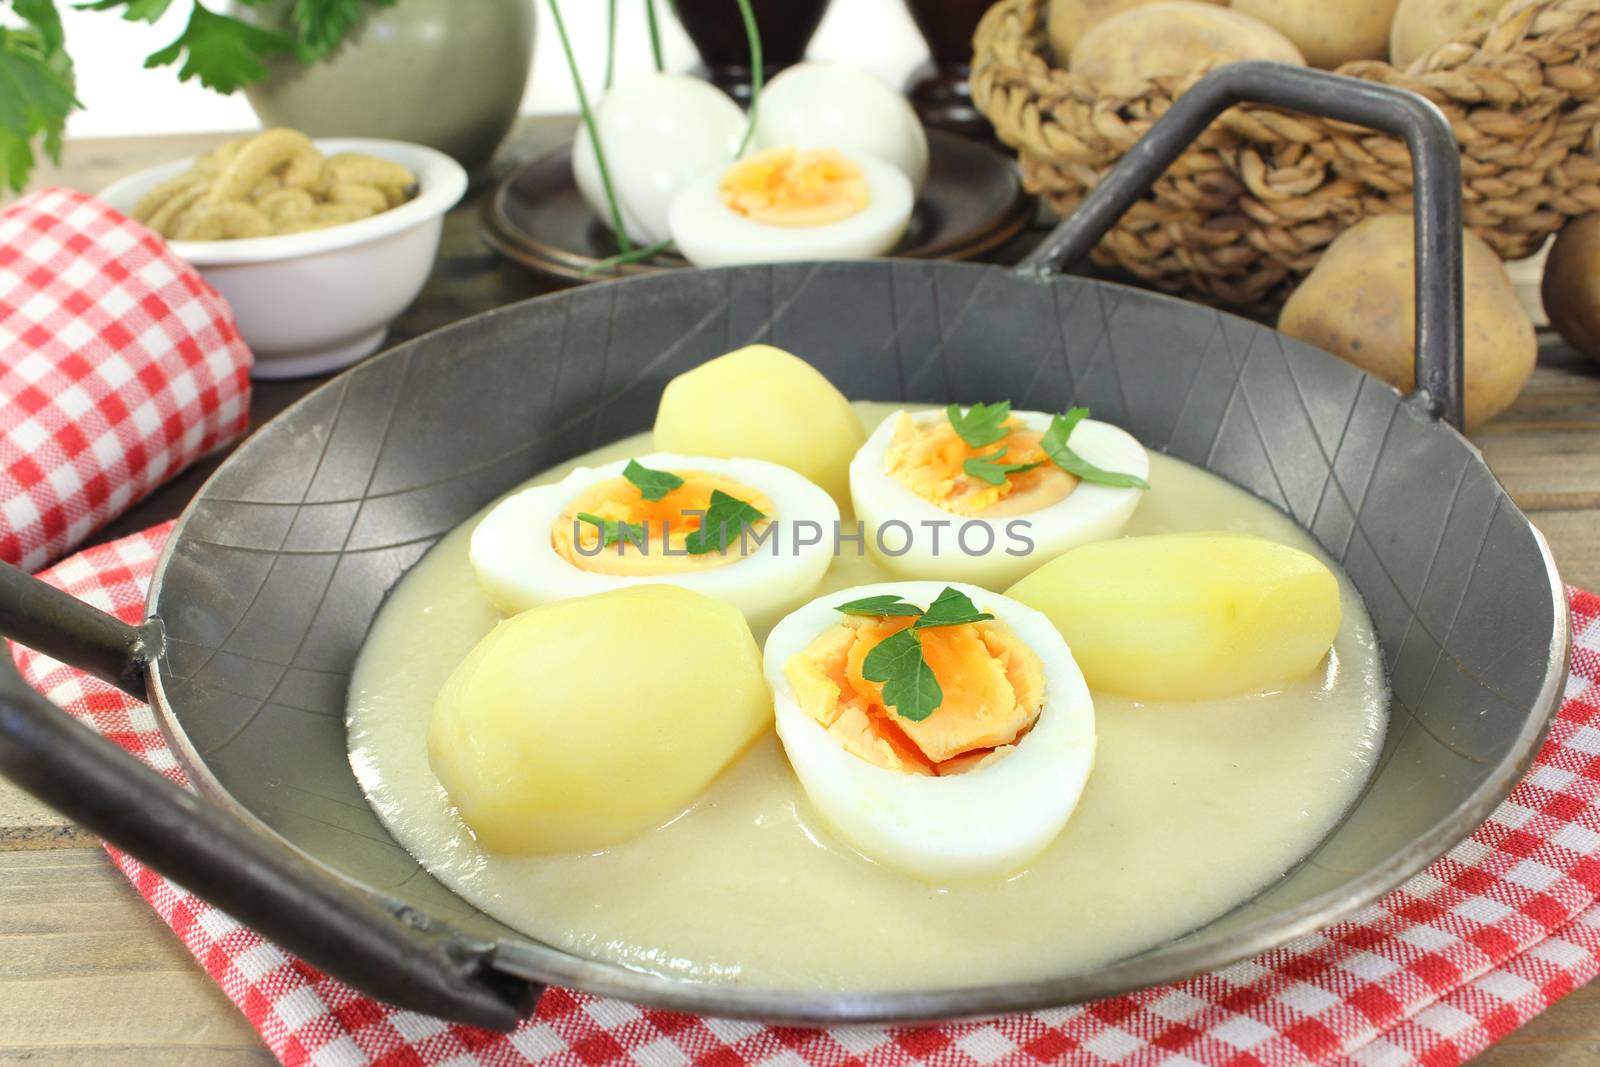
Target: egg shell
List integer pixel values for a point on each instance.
(660, 132)
(830, 105)
(518, 567)
(986, 823)
(1089, 513)
(711, 234)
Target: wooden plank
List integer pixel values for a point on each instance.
(1567, 1035)
(1546, 447)
(89, 975)
(1574, 536)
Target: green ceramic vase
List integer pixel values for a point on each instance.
(444, 73)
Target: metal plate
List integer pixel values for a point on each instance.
(972, 203)
(278, 568)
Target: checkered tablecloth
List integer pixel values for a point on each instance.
(119, 366)
(1483, 940)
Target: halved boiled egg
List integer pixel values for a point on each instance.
(975, 788)
(639, 521)
(819, 105)
(927, 515)
(660, 132)
(786, 203)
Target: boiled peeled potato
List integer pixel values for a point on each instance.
(760, 402)
(1182, 617)
(1359, 303)
(1069, 19)
(1173, 37)
(1328, 32)
(1420, 26)
(576, 725)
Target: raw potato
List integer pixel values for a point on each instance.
(1359, 304)
(1070, 18)
(760, 402)
(1173, 37)
(1571, 288)
(577, 725)
(1181, 617)
(1420, 26)
(1328, 32)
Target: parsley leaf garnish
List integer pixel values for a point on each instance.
(652, 485)
(882, 606)
(982, 425)
(951, 608)
(909, 686)
(614, 530)
(225, 53)
(321, 25)
(36, 92)
(1054, 443)
(990, 469)
(727, 516)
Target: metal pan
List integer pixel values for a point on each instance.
(272, 577)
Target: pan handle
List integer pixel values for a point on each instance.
(1436, 169)
(381, 947)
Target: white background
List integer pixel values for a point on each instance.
(121, 98)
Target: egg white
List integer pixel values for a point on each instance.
(831, 105)
(518, 567)
(711, 234)
(660, 132)
(986, 823)
(1089, 513)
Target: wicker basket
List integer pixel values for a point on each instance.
(1248, 209)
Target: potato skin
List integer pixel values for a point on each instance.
(1328, 32)
(1571, 287)
(1070, 19)
(1420, 26)
(1359, 304)
(1173, 37)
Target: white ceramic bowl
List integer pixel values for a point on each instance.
(308, 303)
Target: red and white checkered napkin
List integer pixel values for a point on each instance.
(119, 366)
(1482, 941)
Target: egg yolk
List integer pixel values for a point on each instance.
(928, 458)
(678, 513)
(993, 688)
(790, 187)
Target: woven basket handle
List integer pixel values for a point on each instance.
(1436, 170)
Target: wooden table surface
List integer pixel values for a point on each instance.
(88, 974)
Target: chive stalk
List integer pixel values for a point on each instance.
(611, 39)
(753, 35)
(655, 34)
(638, 255)
(594, 131)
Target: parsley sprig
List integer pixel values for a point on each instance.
(982, 424)
(990, 469)
(652, 484)
(1054, 443)
(727, 516)
(909, 684)
(224, 53)
(614, 530)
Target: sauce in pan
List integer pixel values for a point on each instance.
(1191, 809)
